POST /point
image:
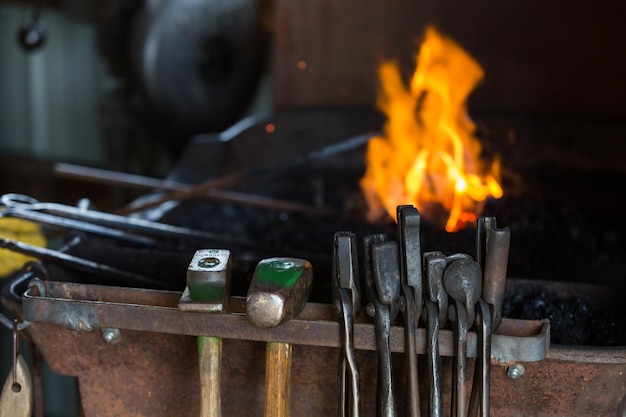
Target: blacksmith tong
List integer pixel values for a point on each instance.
(383, 292)
(347, 303)
(411, 279)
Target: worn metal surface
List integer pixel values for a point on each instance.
(569, 382)
(154, 374)
(279, 291)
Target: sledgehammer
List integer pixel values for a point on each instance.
(207, 291)
(278, 292)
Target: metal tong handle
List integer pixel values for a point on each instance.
(492, 253)
(434, 265)
(410, 251)
(345, 269)
(81, 264)
(434, 362)
(349, 377)
(459, 361)
(63, 223)
(383, 291)
(479, 398)
(411, 278)
(436, 312)
(462, 279)
(20, 205)
(347, 299)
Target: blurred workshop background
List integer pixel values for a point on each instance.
(64, 100)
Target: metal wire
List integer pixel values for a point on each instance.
(9, 324)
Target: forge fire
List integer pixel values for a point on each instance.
(429, 153)
(312, 208)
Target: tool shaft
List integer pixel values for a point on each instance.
(349, 382)
(434, 361)
(279, 290)
(479, 397)
(496, 261)
(347, 298)
(140, 182)
(383, 291)
(278, 379)
(207, 291)
(236, 177)
(209, 362)
(80, 264)
(411, 278)
(411, 316)
(384, 388)
(459, 401)
(127, 228)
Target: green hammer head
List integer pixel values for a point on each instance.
(208, 282)
(279, 291)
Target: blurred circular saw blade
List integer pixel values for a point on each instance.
(199, 62)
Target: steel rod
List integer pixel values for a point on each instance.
(140, 182)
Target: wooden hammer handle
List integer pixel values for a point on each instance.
(209, 354)
(277, 379)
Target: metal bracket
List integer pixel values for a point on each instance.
(95, 306)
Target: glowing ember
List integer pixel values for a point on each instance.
(429, 153)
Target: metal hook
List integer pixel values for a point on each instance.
(15, 386)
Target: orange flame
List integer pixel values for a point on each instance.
(429, 153)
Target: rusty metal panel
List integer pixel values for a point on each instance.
(585, 383)
(152, 368)
(155, 374)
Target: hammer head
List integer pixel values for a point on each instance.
(278, 291)
(208, 282)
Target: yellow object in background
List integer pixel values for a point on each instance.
(23, 231)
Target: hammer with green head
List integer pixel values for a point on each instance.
(207, 291)
(278, 292)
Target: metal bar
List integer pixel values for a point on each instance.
(63, 223)
(19, 203)
(141, 182)
(80, 264)
(125, 228)
(86, 307)
(236, 177)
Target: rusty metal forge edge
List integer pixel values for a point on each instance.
(86, 307)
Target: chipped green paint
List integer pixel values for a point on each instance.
(282, 273)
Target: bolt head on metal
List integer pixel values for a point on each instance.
(110, 335)
(516, 371)
(209, 262)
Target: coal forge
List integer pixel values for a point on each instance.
(564, 223)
